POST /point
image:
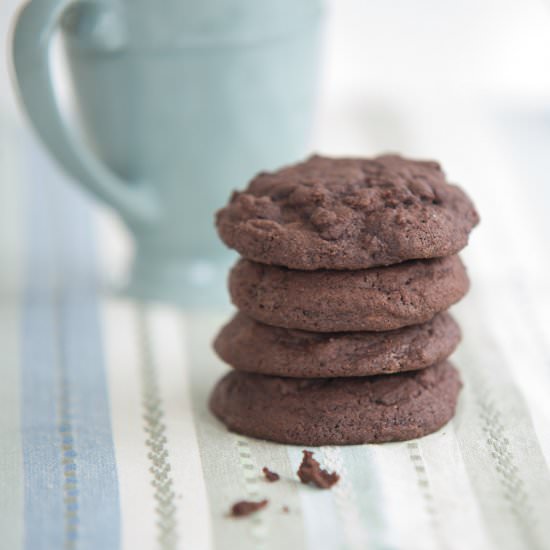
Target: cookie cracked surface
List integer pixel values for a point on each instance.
(348, 213)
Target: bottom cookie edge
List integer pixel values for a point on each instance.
(436, 410)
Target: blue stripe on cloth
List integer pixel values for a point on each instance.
(365, 481)
(71, 486)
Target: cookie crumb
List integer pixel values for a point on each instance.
(245, 507)
(269, 475)
(310, 471)
(285, 509)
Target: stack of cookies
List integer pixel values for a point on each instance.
(342, 336)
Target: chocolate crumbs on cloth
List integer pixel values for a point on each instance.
(245, 508)
(310, 471)
(269, 475)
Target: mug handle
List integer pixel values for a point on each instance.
(34, 27)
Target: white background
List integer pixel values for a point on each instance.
(378, 52)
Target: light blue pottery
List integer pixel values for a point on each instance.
(180, 103)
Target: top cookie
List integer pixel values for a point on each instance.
(348, 213)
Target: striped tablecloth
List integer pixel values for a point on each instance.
(105, 438)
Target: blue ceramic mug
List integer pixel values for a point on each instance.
(180, 102)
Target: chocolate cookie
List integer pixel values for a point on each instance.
(328, 213)
(251, 346)
(337, 411)
(383, 298)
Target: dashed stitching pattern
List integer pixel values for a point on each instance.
(250, 472)
(68, 451)
(423, 481)
(155, 429)
(512, 484)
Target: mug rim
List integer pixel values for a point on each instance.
(195, 41)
